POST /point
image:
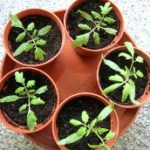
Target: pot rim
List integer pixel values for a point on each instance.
(114, 116)
(116, 38)
(40, 126)
(28, 12)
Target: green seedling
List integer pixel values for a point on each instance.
(86, 127)
(99, 21)
(124, 76)
(34, 43)
(26, 91)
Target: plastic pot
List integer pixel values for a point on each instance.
(142, 99)
(93, 52)
(5, 119)
(114, 122)
(26, 13)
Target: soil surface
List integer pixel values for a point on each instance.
(75, 18)
(53, 39)
(105, 72)
(73, 109)
(42, 112)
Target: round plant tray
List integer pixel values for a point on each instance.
(72, 74)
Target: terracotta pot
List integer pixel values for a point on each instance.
(14, 126)
(89, 52)
(23, 14)
(114, 118)
(146, 95)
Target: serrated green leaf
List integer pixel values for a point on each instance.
(96, 38)
(31, 120)
(75, 122)
(112, 65)
(105, 112)
(116, 78)
(85, 15)
(109, 20)
(125, 92)
(24, 47)
(96, 146)
(19, 90)
(104, 24)
(139, 74)
(95, 15)
(85, 117)
(19, 77)
(41, 90)
(23, 108)
(102, 130)
(81, 131)
(93, 123)
(110, 31)
(112, 88)
(31, 26)
(106, 8)
(110, 135)
(34, 33)
(132, 93)
(20, 37)
(44, 30)
(129, 47)
(15, 22)
(81, 40)
(84, 26)
(9, 99)
(72, 138)
(41, 42)
(39, 54)
(139, 59)
(37, 101)
(31, 91)
(30, 83)
(125, 55)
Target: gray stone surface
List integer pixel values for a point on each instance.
(137, 17)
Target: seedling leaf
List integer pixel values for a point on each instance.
(23, 108)
(44, 30)
(109, 20)
(96, 38)
(85, 117)
(139, 74)
(110, 135)
(20, 37)
(37, 101)
(31, 120)
(84, 26)
(15, 22)
(85, 15)
(105, 112)
(125, 55)
(102, 130)
(41, 90)
(129, 47)
(39, 54)
(19, 77)
(116, 78)
(31, 26)
(111, 30)
(41, 42)
(75, 122)
(139, 59)
(125, 92)
(24, 47)
(30, 83)
(9, 99)
(95, 15)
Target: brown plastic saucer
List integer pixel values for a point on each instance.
(73, 74)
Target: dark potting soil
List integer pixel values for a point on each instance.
(53, 39)
(105, 72)
(42, 112)
(73, 109)
(75, 18)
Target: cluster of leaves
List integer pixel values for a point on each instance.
(124, 76)
(85, 128)
(35, 43)
(100, 21)
(26, 91)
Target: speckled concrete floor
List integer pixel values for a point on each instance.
(137, 17)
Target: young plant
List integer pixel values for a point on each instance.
(26, 91)
(124, 76)
(85, 128)
(99, 21)
(34, 43)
